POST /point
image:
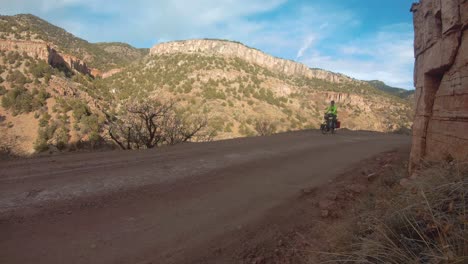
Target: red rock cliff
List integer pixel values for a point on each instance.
(441, 79)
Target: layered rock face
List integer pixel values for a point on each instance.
(234, 49)
(71, 62)
(46, 52)
(440, 128)
(31, 48)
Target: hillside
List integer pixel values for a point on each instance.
(402, 93)
(50, 99)
(238, 94)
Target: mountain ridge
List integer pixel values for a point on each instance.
(137, 53)
(63, 87)
(240, 50)
(400, 92)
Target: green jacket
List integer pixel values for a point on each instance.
(332, 110)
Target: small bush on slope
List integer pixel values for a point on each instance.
(20, 100)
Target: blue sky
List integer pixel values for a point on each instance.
(365, 39)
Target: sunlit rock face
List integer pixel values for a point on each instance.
(234, 49)
(440, 129)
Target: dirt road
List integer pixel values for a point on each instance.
(155, 206)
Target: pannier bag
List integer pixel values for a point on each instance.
(338, 124)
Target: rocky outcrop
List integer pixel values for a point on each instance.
(111, 72)
(66, 88)
(235, 49)
(57, 59)
(46, 52)
(31, 48)
(107, 74)
(346, 98)
(440, 129)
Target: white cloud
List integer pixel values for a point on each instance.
(308, 42)
(324, 25)
(308, 32)
(138, 20)
(386, 56)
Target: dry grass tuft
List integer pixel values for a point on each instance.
(424, 223)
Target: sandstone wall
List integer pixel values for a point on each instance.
(233, 49)
(440, 127)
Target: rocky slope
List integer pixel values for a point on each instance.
(50, 99)
(441, 51)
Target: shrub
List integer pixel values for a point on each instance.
(212, 93)
(187, 88)
(40, 98)
(17, 77)
(90, 124)
(94, 138)
(47, 77)
(41, 143)
(41, 146)
(80, 109)
(217, 123)
(61, 137)
(12, 57)
(44, 121)
(246, 131)
(20, 100)
(228, 128)
(2, 90)
(40, 69)
(265, 127)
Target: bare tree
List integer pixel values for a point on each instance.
(150, 124)
(178, 129)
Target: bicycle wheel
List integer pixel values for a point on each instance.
(323, 128)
